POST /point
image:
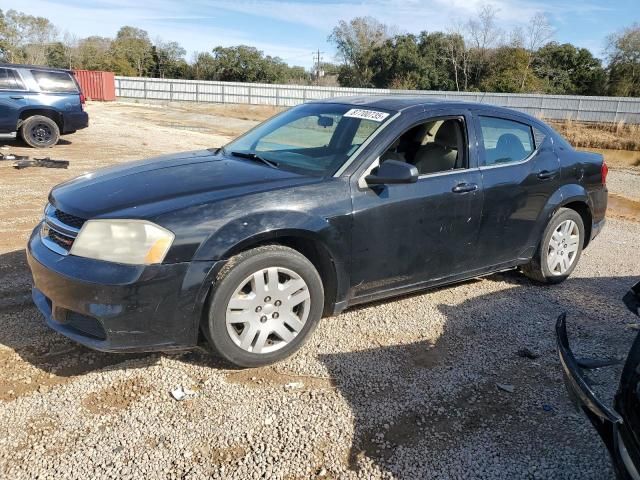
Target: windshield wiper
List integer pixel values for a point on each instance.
(255, 157)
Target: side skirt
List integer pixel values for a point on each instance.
(427, 285)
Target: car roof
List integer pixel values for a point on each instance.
(35, 67)
(403, 102)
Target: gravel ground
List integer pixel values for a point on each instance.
(625, 182)
(397, 389)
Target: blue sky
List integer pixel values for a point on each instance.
(292, 29)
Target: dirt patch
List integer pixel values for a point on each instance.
(269, 376)
(622, 207)
(116, 397)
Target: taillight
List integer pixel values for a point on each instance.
(604, 170)
(83, 100)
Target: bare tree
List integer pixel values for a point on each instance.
(483, 36)
(538, 32)
(458, 56)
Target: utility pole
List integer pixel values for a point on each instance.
(317, 60)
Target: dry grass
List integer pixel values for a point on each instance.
(617, 136)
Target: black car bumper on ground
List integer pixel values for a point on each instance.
(73, 121)
(115, 307)
(609, 423)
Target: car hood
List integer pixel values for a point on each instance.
(165, 183)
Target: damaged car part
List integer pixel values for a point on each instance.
(619, 427)
(41, 162)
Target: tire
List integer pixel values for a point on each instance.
(40, 132)
(554, 262)
(249, 330)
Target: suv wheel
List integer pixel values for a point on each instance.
(40, 132)
(559, 250)
(266, 303)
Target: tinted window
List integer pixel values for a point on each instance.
(55, 82)
(305, 132)
(9, 80)
(315, 139)
(505, 141)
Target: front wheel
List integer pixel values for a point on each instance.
(560, 248)
(40, 132)
(266, 302)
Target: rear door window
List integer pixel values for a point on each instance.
(55, 82)
(10, 80)
(505, 141)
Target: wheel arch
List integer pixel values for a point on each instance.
(308, 243)
(573, 196)
(45, 112)
(582, 208)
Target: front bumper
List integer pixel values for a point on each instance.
(73, 121)
(607, 422)
(115, 307)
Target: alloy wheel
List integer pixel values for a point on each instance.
(268, 310)
(563, 247)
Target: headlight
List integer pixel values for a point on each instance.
(135, 242)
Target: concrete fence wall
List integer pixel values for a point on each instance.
(557, 107)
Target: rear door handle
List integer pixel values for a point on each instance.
(16, 97)
(464, 188)
(547, 174)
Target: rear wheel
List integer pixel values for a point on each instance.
(265, 305)
(40, 132)
(559, 250)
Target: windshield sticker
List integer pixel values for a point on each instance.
(366, 114)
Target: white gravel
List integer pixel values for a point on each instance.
(625, 182)
(400, 389)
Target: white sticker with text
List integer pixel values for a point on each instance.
(366, 114)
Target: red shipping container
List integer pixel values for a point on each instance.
(97, 85)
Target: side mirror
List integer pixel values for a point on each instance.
(325, 121)
(392, 171)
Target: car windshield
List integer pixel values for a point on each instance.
(313, 139)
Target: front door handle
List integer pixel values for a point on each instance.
(464, 188)
(16, 97)
(547, 174)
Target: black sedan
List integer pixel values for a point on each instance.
(324, 206)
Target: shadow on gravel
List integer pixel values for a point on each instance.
(429, 398)
(23, 330)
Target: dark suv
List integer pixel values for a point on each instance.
(40, 104)
(324, 206)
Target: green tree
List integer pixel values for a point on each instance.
(412, 62)
(623, 54)
(169, 59)
(94, 53)
(26, 37)
(4, 44)
(509, 65)
(203, 66)
(566, 69)
(132, 53)
(57, 55)
(355, 42)
(248, 64)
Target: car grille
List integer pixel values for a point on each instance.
(59, 230)
(67, 219)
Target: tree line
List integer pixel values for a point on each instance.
(472, 55)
